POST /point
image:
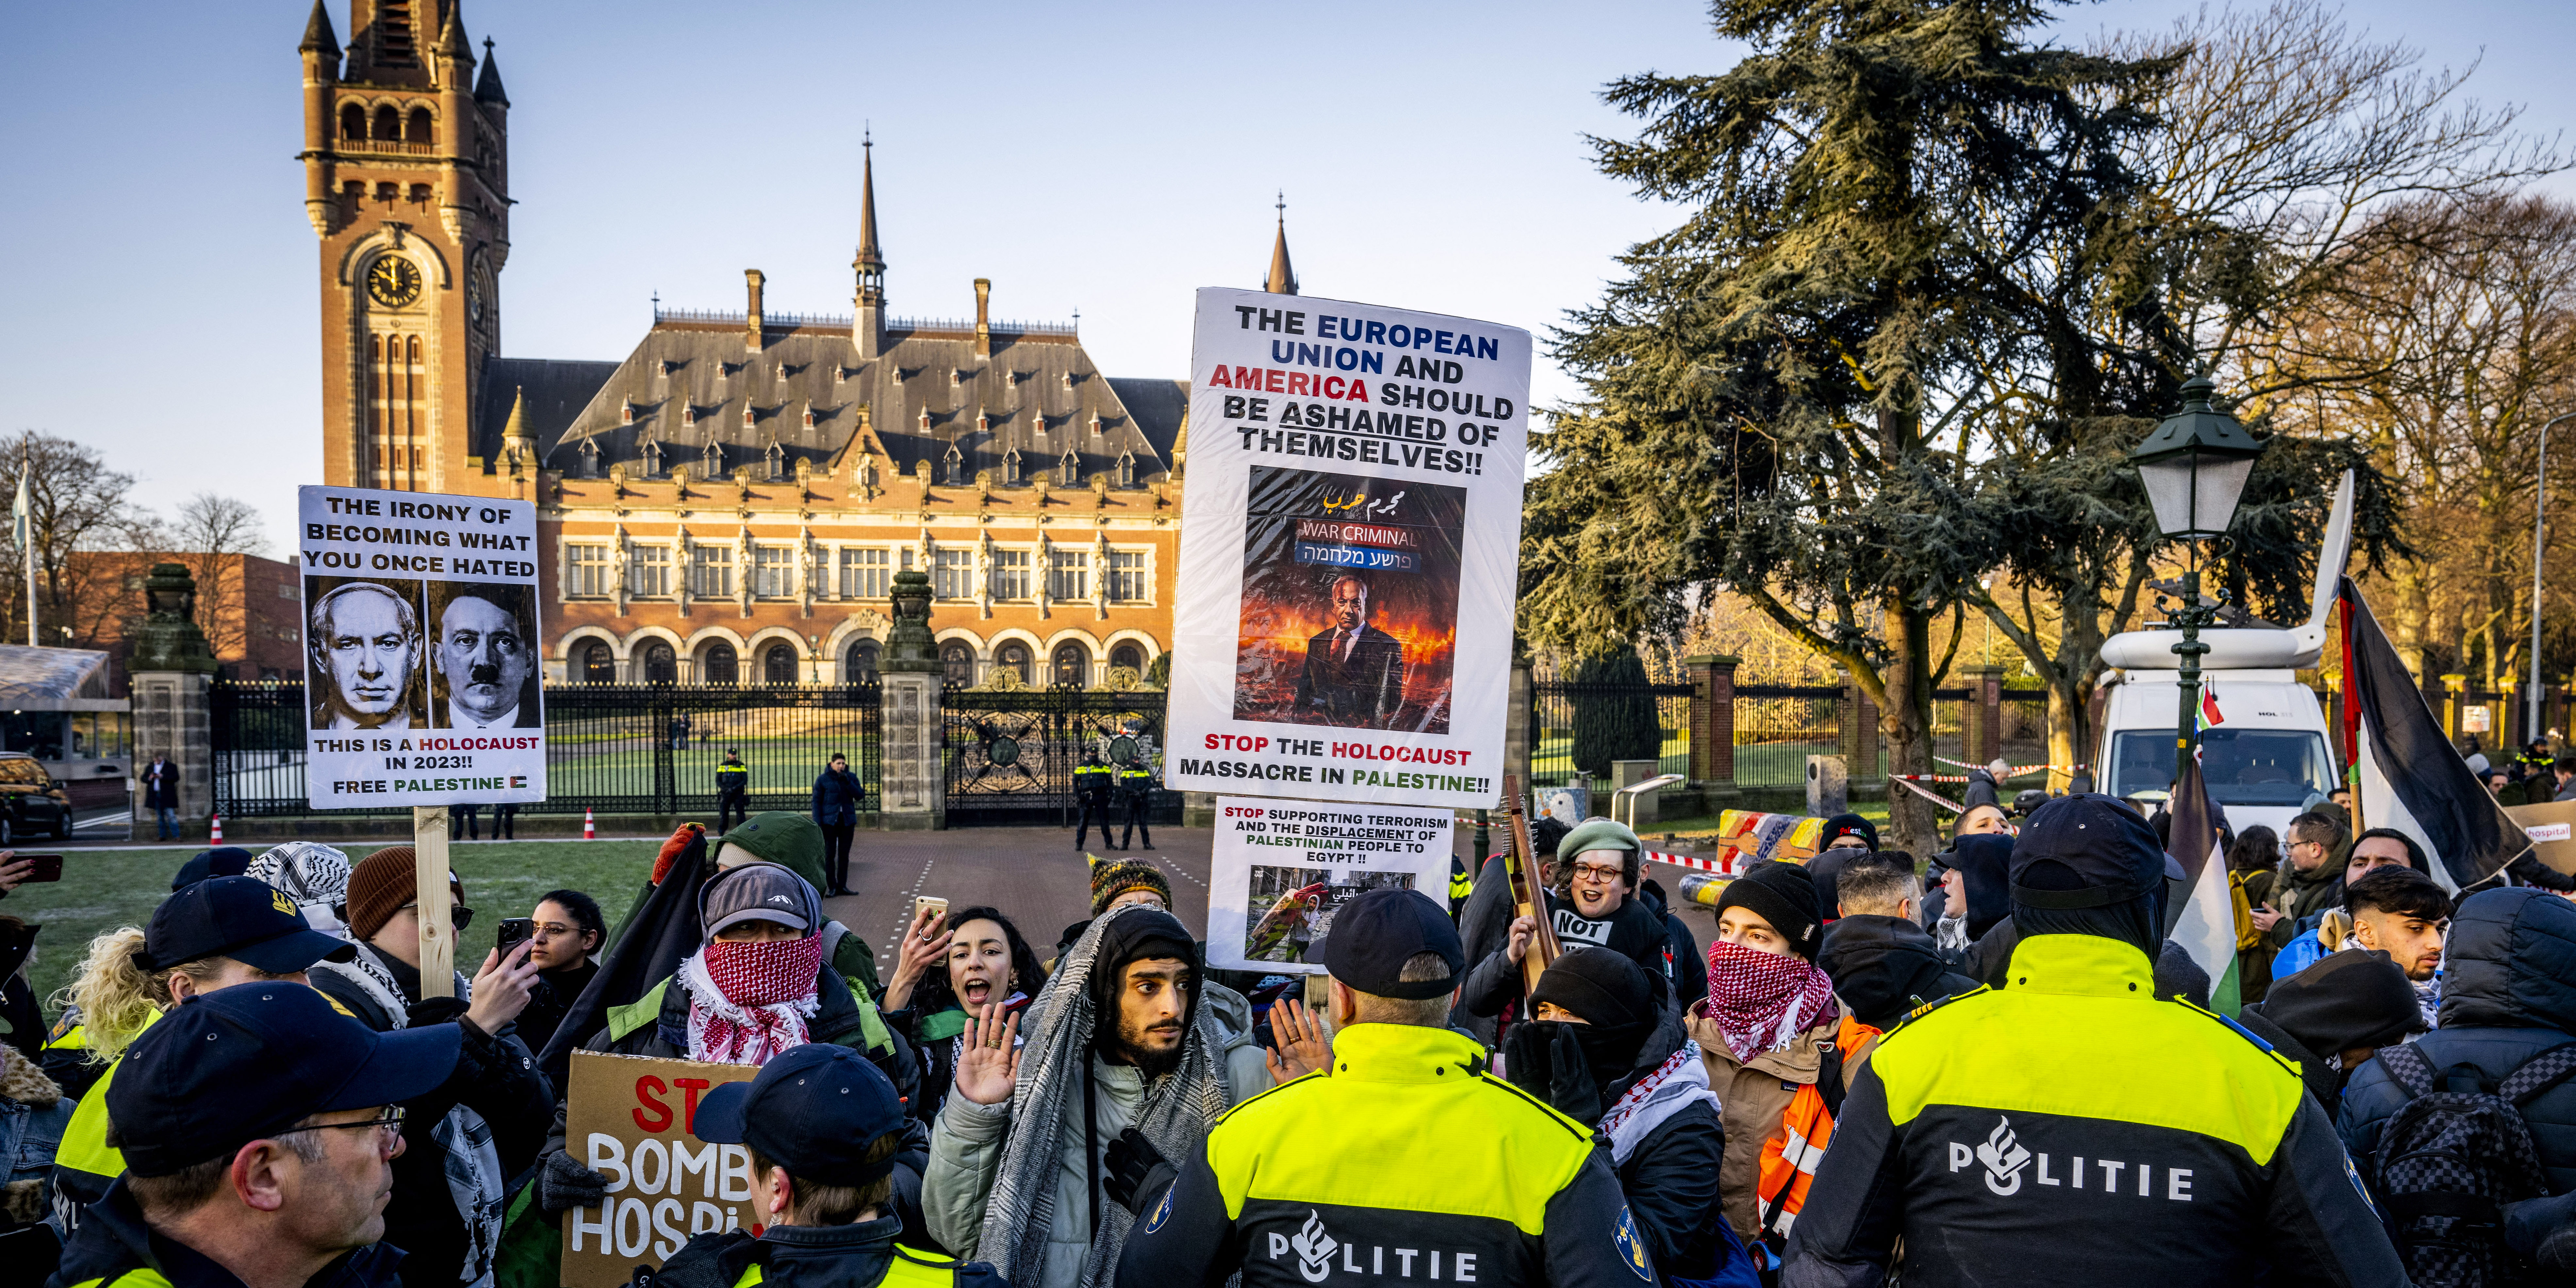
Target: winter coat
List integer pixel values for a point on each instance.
(496, 1080)
(33, 1113)
(1754, 1096)
(114, 1245)
(657, 1024)
(2509, 993)
(1885, 967)
(966, 1145)
(1670, 1173)
(2302, 895)
(838, 795)
(1634, 931)
(1484, 927)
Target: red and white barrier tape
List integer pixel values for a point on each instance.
(1691, 861)
(1942, 801)
(2010, 771)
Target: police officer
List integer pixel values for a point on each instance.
(259, 1127)
(1407, 1163)
(2072, 1122)
(1136, 789)
(1091, 782)
(733, 792)
(826, 1134)
(212, 935)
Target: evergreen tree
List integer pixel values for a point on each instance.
(1614, 717)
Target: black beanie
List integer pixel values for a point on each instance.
(1842, 825)
(1607, 990)
(1783, 894)
(2351, 999)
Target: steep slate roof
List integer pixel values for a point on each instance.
(700, 363)
(557, 391)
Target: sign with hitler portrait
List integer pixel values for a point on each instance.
(628, 1118)
(1350, 543)
(422, 675)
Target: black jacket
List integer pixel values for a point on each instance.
(554, 997)
(2508, 994)
(1635, 931)
(1683, 965)
(838, 797)
(1671, 1177)
(798, 1256)
(495, 1077)
(1884, 967)
(114, 1241)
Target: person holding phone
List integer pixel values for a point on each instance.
(951, 965)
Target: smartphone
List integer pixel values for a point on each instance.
(936, 906)
(514, 932)
(49, 867)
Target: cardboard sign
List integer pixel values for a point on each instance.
(627, 1117)
(424, 650)
(2552, 829)
(1350, 548)
(1281, 869)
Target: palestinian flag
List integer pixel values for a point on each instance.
(2406, 773)
(659, 933)
(2207, 929)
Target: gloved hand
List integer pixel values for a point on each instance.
(1138, 1173)
(682, 837)
(563, 1184)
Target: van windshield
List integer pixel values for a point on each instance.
(2242, 766)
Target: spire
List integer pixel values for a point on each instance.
(487, 87)
(318, 36)
(871, 261)
(1283, 279)
(451, 34)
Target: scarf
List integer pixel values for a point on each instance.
(315, 876)
(1019, 1211)
(1675, 1085)
(1950, 935)
(749, 1001)
(1763, 1001)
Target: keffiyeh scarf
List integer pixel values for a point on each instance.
(1674, 1085)
(315, 876)
(1047, 1102)
(1763, 1001)
(749, 1001)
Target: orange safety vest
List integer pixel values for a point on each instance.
(1807, 1128)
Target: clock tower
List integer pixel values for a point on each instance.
(406, 181)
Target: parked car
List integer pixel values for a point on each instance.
(31, 802)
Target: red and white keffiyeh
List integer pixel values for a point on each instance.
(748, 1001)
(1763, 1001)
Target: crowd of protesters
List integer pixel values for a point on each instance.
(1878, 1065)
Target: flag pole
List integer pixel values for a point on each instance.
(25, 514)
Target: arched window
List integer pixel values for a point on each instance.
(597, 666)
(718, 665)
(420, 129)
(1014, 657)
(1129, 656)
(861, 663)
(388, 124)
(661, 665)
(1072, 664)
(957, 662)
(353, 123)
(778, 664)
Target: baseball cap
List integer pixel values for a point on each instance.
(222, 861)
(813, 1110)
(758, 892)
(2085, 852)
(243, 918)
(1375, 934)
(231, 1066)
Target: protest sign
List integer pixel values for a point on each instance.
(422, 676)
(1350, 542)
(628, 1117)
(2551, 825)
(1282, 868)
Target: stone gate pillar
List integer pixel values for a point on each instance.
(912, 790)
(1712, 727)
(171, 673)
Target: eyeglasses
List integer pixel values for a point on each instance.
(389, 1122)
(458, 915)
(1599, 872)
(549, 930)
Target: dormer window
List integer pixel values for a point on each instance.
(1068, 380)
(925, 420)
(666, 368)
(809, 418)
(1126, 469)
(777, 463)
(625, 411)
(652, 458)
(956, 377)
(713, 460)
(688, 413)
(1069, 470)
(1095, 424)
(953, 466)
(746, 416)
(983, 422)
(1011, 468)
(590, 458)
(840, 375)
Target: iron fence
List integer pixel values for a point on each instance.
(1558, 706)
(1777, 726)
(1009, 755)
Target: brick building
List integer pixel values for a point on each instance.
(249, 607)
(730, 502)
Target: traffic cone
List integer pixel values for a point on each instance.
(216, 835)
(589, 827)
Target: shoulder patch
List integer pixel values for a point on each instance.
(1631, 1249)
(1929, 1007)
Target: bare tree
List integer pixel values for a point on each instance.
(78, 506)
(210, 535)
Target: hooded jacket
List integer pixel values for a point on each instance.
(1670, 1170)
(115, 1247)
(2509, 966)
(1885, 967)
(1753, 1098)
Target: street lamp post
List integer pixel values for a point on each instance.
(2194, 469)
(2539, 524)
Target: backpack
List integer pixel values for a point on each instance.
(2453, 1155)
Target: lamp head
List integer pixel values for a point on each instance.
(2195, 465)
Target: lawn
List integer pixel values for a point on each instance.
(105, 889)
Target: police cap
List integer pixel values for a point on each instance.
(814, 1110)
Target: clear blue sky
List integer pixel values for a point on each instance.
(160, 274)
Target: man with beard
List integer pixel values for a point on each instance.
(482, 656)
(365, 640)
(1125, 1038)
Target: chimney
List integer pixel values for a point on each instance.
(983, 317)
(751, 324)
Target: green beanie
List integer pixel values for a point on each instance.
(1598, 833)
(786, 838)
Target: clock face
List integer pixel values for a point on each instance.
(393, 282)
(474, 301)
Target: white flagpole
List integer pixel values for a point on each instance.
(27, 542)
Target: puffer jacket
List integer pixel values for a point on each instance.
(966, 1145)
(2509, 993)
(1753, 1096)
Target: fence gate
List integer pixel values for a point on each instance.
(1010, 755)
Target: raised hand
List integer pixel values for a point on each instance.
(1300, 1045)
(502, 989)
(1524, 929)
(990, 1066)
(924, 949)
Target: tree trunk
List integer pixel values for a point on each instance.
(2413, 620)
(2068, 736)
(1906, 718)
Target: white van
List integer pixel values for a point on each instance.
(2271, 754)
